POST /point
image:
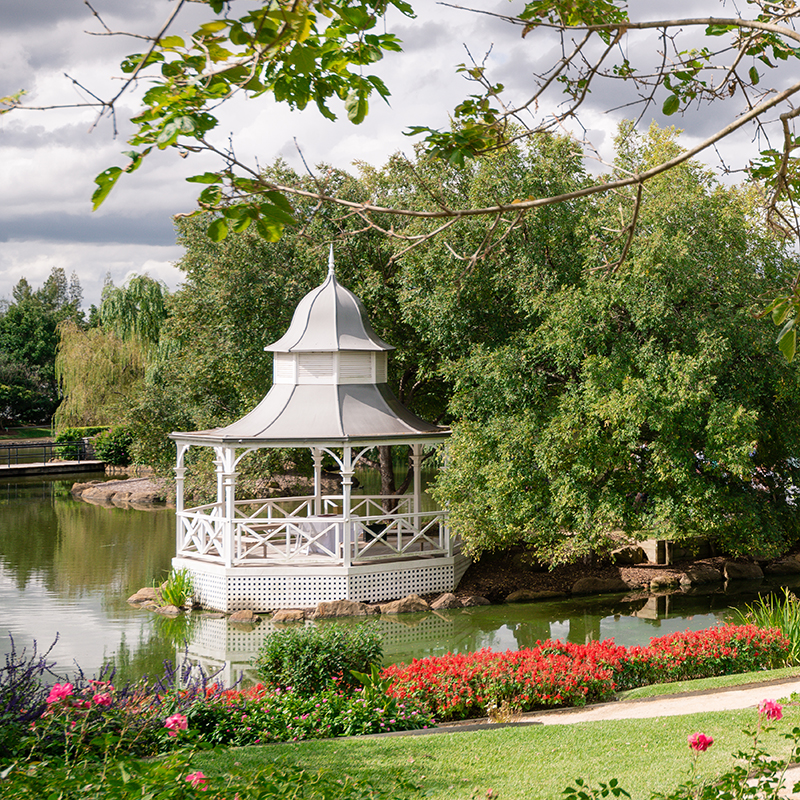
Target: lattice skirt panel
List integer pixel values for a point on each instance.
(263, 590)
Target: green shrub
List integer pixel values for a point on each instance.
(113, 446)
(308, 659)
(178, 588)
(772, 611)
(71, 452)
(258, 716)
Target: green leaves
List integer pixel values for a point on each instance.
(671, 105)
(302, 53)
(784, 311)
(787, 340)
(269, 210)
(105, 183)
(218, 230)
(107, 179)
(356, 106)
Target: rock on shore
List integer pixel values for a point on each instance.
(139, 493)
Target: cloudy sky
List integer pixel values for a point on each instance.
(48, 159)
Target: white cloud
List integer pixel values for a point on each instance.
(92, 262)
(50, 159)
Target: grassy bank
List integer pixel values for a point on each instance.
(15, 434)
(710, 684)
(525, 763)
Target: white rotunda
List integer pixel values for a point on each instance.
(329, 394)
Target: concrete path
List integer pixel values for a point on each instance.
(671, 705)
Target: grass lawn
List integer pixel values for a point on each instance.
(532, 763)
(26, 433)
(720, 682)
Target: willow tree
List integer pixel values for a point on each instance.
(136, 310)
(97, 372)
(101, 370)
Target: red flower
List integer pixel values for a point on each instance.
(771, 709)
(700, 742)
(175, 723)
(59, 692)
(197, 779)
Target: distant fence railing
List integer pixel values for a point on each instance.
(43, 452)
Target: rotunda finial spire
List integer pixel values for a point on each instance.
(330, 261)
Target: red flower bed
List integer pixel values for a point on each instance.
(724, 650)
(563, 674)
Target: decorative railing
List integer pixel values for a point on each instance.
(291, 529)
(42, 452)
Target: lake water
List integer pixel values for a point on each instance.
(67, 568)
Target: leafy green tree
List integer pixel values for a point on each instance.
(24, 394)
(28, 326)
(100, 369)
(28, 342)
(136, 310)
(650, 403)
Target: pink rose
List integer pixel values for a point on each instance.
(197, 779)
(771, 709)
(103, 699)
(700, 742)
(175, 723)
(59, 692)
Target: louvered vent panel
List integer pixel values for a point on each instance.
(315, 368)
(283, 368)
(355, 367)
(381, 368)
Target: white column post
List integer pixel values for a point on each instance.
(347, 485)
(317, 455)
(229, 486)
(226, 497)
(219, 466)
(448, 542)
(416, 464)
(180, 474)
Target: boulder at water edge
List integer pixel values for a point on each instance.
(700, 574)
(245, 615)
(406, 605)
(289, 615)
(446, 600)
(343, 608)
(145, 594)
(476, 600)
(734, 571)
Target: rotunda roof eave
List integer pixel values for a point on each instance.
(310, 413)
(210, 439)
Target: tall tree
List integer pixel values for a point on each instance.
(28, 342)
(101, 370)
(651, 403)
